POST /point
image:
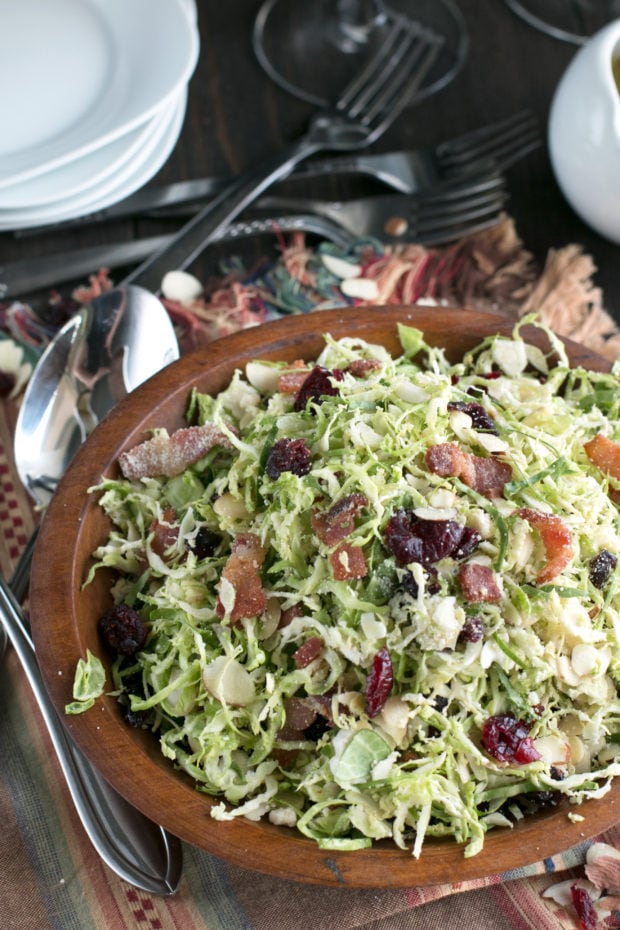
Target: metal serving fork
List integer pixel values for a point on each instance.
(410, 171)
(433, 218)
(365, 109)
(505, 142)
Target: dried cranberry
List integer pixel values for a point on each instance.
(410, 584)
(601, 567)
(122, 629)
(470, 540)
(288, 455)
(318, 384)
(534, 801)
(379, 682)
(584, 906)
(440, 702)
(319, 726)
(471, 631)
(7, 383)
(480, 419)
(139, 719)
(507, 740)
(133, 683)
(205, 543)
(426, 541)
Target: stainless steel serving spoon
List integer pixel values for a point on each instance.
(109, 348)
(113, 345)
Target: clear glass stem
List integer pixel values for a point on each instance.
(356, 19)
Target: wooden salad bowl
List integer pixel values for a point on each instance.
(65, 614)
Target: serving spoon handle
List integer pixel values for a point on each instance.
(136, 849)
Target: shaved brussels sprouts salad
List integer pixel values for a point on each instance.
(381, 600)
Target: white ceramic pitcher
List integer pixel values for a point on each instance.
(584, 132)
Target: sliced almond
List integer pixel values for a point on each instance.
(263, 377)
(181, 286)
(393, 718)
(362, 288)
(340, 267)
(553, 749)
(230, 508)
(229, 682)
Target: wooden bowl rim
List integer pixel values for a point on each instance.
(62, 614)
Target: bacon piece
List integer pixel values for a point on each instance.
(605, 454)
(302, 716)
(293, 377)
(242, 572)
(164, 535)
(478, 583)
(339, 521)
(487, 476)
(556, 539)
(287, 616)
(490, 476)
(308, 651)
(360, 367)
(301, 713)
(447, 460)
(170, 455)
(348, 561)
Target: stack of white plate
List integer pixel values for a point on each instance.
(92, 101)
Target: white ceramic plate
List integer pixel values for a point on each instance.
(79, 74)
(138, 172)
(81, 175)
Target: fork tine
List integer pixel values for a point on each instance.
(392, 77)
(506, 148)
(374, 67)
(505, 142)
(482, 134)
(505, 153)
(425, 223)
(468, 208)
(462, 226)
(403, 39)
(468, 228)
(485, 180)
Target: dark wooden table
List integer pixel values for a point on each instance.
(236, 116)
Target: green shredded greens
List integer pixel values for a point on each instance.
(88, 684)
(270, 711)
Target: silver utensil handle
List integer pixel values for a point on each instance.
(179, 194)
(23, 276)
(135, 848)
(210, 222)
